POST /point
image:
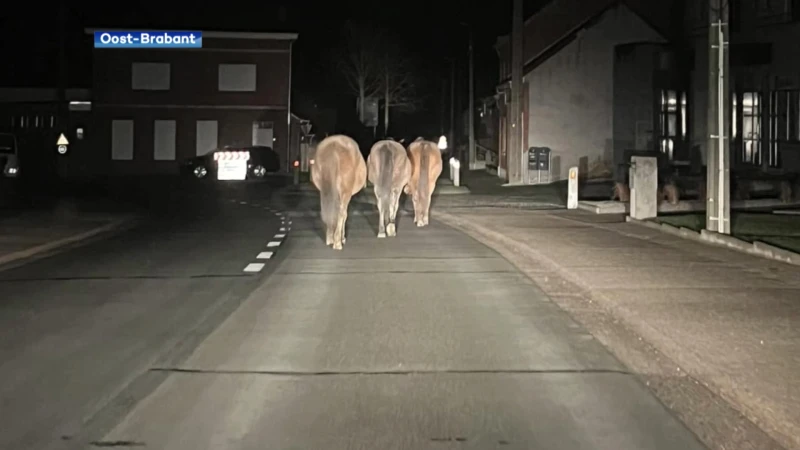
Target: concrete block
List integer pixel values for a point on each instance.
(644, 187)
(667, 228)
(689, 233)
(644, 223)
(451, 190)
(776, 253)
(725, 240)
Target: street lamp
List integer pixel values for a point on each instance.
(442, 143)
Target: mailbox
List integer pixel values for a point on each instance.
(538, 165)
(544, 159)
(533, 158)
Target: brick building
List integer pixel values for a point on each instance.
(153, 108)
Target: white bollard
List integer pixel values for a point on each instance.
(572, 189)
(455, 171)
(644, 187)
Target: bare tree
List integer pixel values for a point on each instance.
(399, 87)
(359, 62)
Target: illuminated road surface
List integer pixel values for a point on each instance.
(424, 341)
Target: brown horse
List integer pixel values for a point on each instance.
(389, 172)
(339, 172)
(426, 164)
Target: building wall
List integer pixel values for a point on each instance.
(194, 77)
(193, 94)
(571, 94)
(234, 128)
(750, 26)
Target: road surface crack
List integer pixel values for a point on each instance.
(387, 372)
(118, 444)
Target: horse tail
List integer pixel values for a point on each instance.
(424, 160)
(329, 199)
(386, 159)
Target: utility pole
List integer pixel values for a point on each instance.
(719, 114)
(514, 153)
(472, 153)
(451, 139)
(386, 102)
(58, 166)
(62, 61)
(443, 107)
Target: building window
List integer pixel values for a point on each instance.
(672, 121)
(206, 136)
(750, 133)
(237, 77)
(784, 122)
(263, 134)
(122, 140)
(164, 140)
(150, 76)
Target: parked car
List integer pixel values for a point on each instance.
(258, 160)
(9, 155)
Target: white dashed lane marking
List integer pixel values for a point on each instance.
(254, 267)
(258, 266)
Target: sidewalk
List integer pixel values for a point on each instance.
(713, 332)
(30, 234)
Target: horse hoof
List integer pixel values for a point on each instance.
(337, 246)
(344, 240)
(420, 224)
(390, 230)
(381, 235)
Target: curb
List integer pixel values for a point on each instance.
(74, 239)
(757, 248)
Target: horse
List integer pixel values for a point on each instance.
(426, 164)
(389, 171)
(339, 172)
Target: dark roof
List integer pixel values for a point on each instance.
(561, 19)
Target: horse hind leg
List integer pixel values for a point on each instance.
(394, 204)
(426, 210)
(338, 235)
(417, 209)
(382, 214)
(330, 229)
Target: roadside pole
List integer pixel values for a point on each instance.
(719, 115)
(515, 150)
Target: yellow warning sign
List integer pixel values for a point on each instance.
(62, 140)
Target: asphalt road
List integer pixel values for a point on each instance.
(428, 340)
(78, 327)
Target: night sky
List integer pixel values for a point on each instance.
(428, 30)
